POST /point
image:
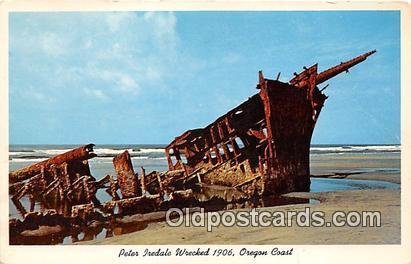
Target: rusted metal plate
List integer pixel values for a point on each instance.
(127, 179)
(79, 154)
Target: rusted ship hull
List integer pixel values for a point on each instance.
(262, 146)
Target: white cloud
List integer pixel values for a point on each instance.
(152, 73)
(120, 51)
(88, 44)
(31, 93)
(96, 93)
(118, 80)
(143, 49)
(126, 81)
(52, 44)
(163, 26)
(116, 21)
(231, 58)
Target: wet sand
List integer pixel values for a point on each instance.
(370, 166)
(385, 201)
(383, 167)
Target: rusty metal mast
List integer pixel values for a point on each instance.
(301, 80)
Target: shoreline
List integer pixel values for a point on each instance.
(386, 201)
(394, 178)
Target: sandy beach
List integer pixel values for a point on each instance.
(383, 200)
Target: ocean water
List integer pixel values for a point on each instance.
(152, 157)
(332, 185)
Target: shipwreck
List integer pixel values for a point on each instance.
(263, 144)
(258, 148)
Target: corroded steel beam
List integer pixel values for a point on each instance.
(301, 80)
(127, 180)
(143, 181)
(79, 154)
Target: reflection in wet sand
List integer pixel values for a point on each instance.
(45, 228)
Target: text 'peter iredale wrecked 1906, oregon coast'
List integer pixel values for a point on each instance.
(204, 252)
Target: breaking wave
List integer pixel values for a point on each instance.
(354, 149)
(141, 152)
(40, 153)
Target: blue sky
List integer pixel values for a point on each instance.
(146, 77)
